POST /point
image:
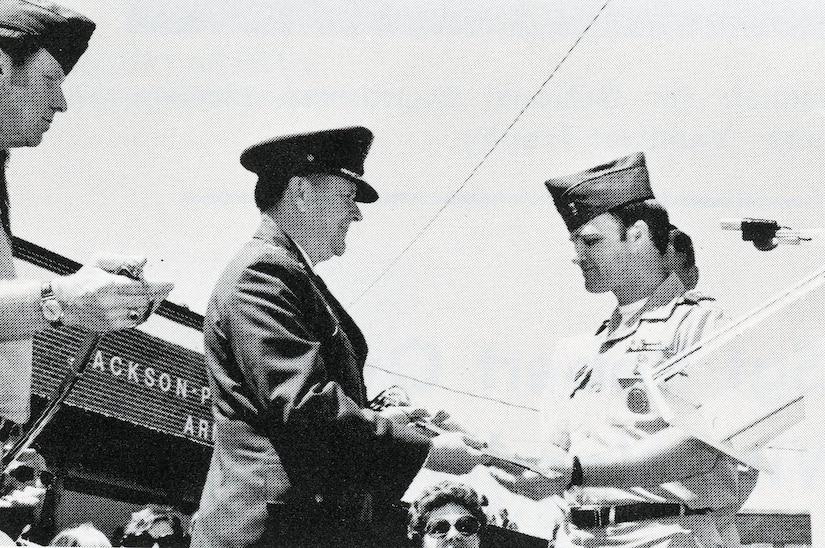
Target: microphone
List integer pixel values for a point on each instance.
(762, 232)
(766, 234)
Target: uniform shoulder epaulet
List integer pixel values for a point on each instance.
(694, 296)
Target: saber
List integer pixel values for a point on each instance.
(78, 366)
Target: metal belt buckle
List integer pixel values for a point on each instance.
(601, 515)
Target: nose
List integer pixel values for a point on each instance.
(452, 533)
(578, 258)
(58, 101)
(356, 212)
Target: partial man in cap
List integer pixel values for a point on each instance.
(629, 478)
(40, 42)
(298, 459)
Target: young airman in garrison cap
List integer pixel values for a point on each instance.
(40, 42)
(629, 478)
(298, 459)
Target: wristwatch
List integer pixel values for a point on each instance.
(52, 310)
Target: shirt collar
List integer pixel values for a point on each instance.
(303, 253)
(659, 306)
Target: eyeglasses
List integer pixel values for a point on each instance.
(25, 474)
(465, 525)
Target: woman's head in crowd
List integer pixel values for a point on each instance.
(447, 514)
(82, 535)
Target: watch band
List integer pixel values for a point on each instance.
(51, 308)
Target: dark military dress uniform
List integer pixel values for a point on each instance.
(298, 460)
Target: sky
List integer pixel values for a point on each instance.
(727, 100)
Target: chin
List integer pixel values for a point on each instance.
(33, 141)
(593, 287)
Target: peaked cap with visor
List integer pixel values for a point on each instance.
(338, 152)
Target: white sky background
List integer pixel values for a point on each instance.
(727, 100)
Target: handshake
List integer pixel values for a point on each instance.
(454, 451)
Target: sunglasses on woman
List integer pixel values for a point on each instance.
(25, 474)
(465, 525)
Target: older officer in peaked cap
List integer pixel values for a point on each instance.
(630, 479)
(298, 460)
(40, 43)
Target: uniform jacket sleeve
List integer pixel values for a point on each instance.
(304, 381)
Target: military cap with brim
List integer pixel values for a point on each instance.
(584, 196)
(62, 32)
(336, 151)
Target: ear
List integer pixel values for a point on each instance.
(637, 231)
(299, 188)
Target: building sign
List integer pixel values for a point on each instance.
(133, 377)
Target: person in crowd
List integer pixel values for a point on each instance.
(155, 526)
(681, 258)
(40, 42)
(299, 460)
(448, 514)
(82, 535)
(628, 477)
(504, 520)
(25, 483)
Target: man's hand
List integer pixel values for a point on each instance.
(529, 483)
(555, 465)
(450, 454)
(97, 300)
(404, 415)
(110, 262)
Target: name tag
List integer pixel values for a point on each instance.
(647, 346)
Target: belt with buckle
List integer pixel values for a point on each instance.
(603, 516)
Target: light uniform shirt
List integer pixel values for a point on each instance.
(15, 356)
(601, 405)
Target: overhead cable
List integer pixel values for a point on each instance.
(453, 390)
(481, 162)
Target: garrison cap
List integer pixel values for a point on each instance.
(585, 195)
(336, 151)
(62, 32)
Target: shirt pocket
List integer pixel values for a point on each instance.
(634, 407)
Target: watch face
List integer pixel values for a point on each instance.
(52, 310)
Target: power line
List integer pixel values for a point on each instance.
(483, 159)
(781, 448)
(454, 390)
